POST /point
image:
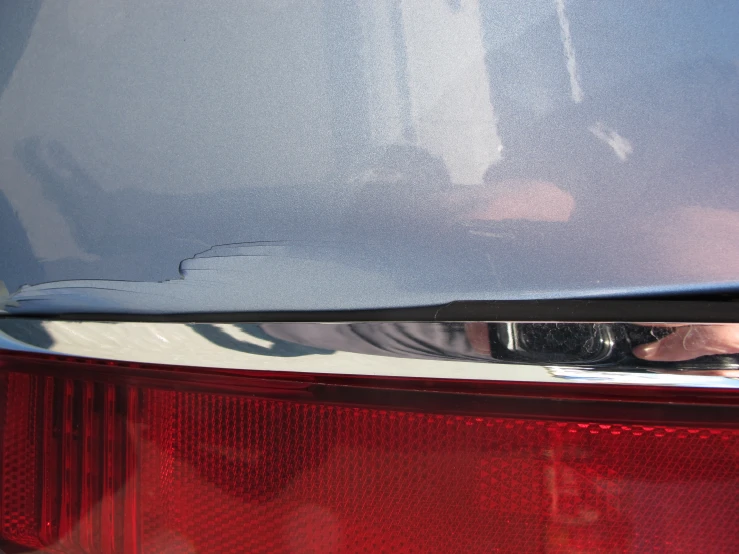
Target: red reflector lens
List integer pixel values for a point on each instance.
(106, 459)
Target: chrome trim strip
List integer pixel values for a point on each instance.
(422, 350)
(9, 343)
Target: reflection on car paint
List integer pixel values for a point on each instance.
(409, 153)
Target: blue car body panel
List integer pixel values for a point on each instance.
(181, 156)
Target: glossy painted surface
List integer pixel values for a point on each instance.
(180, 157)
(604, 353)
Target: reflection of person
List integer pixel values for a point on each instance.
(406, 183)
(471, 341)
(419, 340)
(524, 200)
(687, 342)
(405, 214)
(692, 341)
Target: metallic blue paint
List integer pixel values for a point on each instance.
(311, 155)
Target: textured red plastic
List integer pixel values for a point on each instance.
(94, 466)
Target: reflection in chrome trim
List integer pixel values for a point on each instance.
(678, 355)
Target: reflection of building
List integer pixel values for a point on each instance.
(428, 84)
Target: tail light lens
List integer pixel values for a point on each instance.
(102, 457)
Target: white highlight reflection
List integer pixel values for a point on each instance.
(621, 146)
(569, 50)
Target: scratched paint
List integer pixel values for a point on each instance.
(358, 156)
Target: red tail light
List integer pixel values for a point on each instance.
(101, 457)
